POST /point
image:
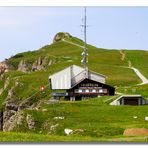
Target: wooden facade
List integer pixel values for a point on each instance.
(87, 89)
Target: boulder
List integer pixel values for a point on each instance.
(14, 120)
(30, 122)
(68, 131)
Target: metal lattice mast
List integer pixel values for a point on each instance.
(84, 61)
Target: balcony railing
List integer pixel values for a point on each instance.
(91, 91)
(56, 94)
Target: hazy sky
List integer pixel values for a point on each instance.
(29, 28)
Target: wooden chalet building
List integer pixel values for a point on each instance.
(76, 83)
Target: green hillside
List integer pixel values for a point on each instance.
(91, 120)
(98, 120)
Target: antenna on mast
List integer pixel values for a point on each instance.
(84, 61)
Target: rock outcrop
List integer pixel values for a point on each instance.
(30, 122)
(11, 105)
(38, 65)
(22, 66)
(3, 67)
(12, 119)
(61, 35)
(41, 63)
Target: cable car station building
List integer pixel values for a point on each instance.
(77, 83)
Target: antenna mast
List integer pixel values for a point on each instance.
(84, 61)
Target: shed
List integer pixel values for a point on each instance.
(129, 100)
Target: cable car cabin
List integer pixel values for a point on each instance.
(75, 83)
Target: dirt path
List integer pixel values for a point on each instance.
(73, 43)
(137, 72)
(141, 76)
(122, 55)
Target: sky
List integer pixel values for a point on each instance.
(29, 28)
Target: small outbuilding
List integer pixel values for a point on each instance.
(129, 100)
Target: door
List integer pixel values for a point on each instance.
(78, 98)
(131, 101)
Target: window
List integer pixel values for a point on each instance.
(100, 90)
(87, 90)
(80, 90)
(94, 90)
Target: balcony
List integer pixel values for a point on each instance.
(91, 91)
(56, 94)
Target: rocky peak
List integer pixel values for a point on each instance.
(61, 35)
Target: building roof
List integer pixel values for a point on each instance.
(72, 75)
(130, 96)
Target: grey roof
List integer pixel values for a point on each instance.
(131, 96)
(70, 76)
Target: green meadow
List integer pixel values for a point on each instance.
(97, 120)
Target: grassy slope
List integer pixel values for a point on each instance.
(99, 121)
(31, 138)
(138, 59)
(103, 61)
(106, 120)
